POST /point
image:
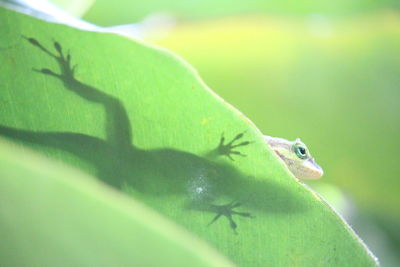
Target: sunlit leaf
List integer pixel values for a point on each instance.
(141, 120)
(51, 215)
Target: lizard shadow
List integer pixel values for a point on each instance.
(119, 163)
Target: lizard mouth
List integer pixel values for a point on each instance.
(309, 169)
(314, 171)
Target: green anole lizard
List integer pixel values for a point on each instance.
(296, 157)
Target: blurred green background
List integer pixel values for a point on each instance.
(325, 71)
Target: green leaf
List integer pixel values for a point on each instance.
(143, 122)
(127, 11)
(76, 7)
(51, 215)
(332, 83)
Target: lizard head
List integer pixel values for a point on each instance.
(296, 156)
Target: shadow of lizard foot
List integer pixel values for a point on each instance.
(230, 148)
(63, 59)
(228, 211)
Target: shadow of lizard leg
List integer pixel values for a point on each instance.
(118, 128)
(89, 149)
(80, 145)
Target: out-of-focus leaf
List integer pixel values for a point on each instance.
(51, 215)
(126, 11)
(76, 7)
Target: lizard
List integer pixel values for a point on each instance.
(296, 157)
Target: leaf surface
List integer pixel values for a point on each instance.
(141, 120)
(51, 215)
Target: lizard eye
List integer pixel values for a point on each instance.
(301, 152)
